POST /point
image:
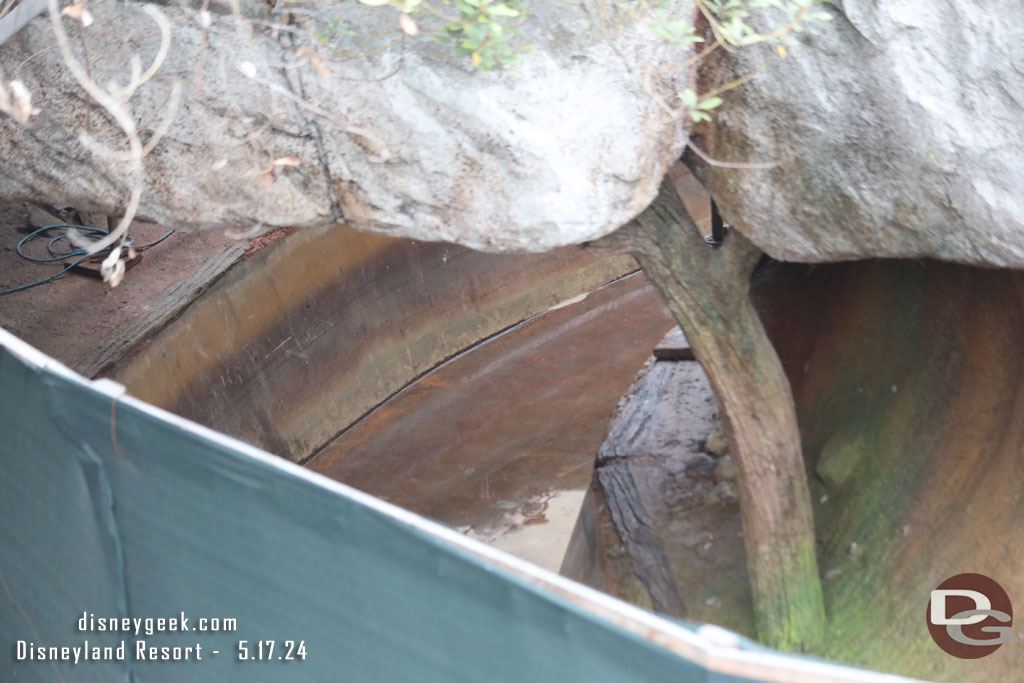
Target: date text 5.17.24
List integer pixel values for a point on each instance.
(265, 650)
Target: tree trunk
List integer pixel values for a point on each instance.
(708, 292)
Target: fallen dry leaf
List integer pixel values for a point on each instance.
(317, 63)
(16, 101)
(79, 12)
(407, 24)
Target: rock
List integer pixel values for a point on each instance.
(567, 147)
(39, 217)
(94, 219)
(716, 444)
(700, 466)
(725, 470)
(839, 458)
(726, 492)
(899, 128)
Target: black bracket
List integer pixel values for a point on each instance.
(718, 227)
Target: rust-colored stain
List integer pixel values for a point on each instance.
(513, 418)
(301, 340)
(914, 367)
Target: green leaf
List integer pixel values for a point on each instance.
(502, 11)
(689, 98)
(678, 26)
(660, 31)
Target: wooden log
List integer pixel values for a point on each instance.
(708, 292)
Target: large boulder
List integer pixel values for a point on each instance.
(392, 133)
(898, 128)
(900, 131)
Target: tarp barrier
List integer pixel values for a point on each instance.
(112, 508)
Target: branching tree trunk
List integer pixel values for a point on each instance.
(708, 292)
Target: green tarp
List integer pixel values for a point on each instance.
(112, 508)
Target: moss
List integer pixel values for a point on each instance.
(803, 630)
(870, 433)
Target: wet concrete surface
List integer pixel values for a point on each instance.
(295, 344)
(491, 441)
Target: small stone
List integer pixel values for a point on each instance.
(833, 574)
(94, 219)
(726, 492)
(839, 458)
(855, 549)
(700, 466)
(40, 218)
(824, 499)
(716, 444)
(725, 470)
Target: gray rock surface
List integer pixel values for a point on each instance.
(900, 128)
(392, 133)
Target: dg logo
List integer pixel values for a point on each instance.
(970, 616)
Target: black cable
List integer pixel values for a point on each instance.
(61, 255)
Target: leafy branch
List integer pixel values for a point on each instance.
(729, 24)
(483, 30)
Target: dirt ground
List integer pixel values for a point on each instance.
(83, 322)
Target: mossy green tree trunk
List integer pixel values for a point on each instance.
(708, 291)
